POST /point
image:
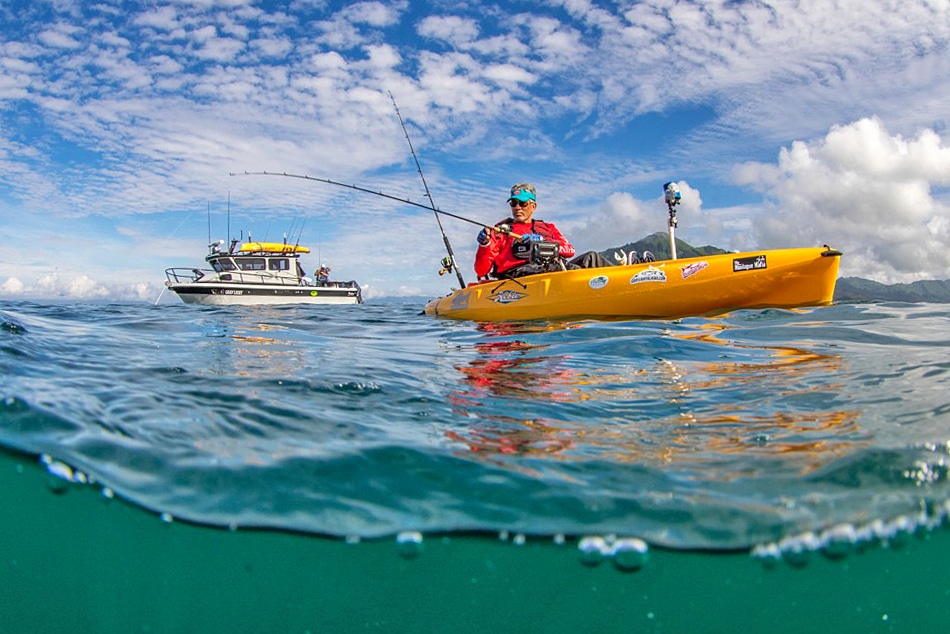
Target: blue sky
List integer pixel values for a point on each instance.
(786, 123)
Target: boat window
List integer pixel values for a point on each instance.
(278, 264)
(252, 264)
(222, 264)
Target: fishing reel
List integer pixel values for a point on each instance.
(447, 265)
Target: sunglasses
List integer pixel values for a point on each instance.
(518, 203)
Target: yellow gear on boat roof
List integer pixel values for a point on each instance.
(273, 247)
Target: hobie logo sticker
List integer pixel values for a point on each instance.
(692, 269)
(651, 274)
(753, 263)
(506, 296)
(598, 282)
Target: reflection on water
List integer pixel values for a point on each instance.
(249, 347)
(522, 394)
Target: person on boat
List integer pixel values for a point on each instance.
(540, 248)
(323, 275)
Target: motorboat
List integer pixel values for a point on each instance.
(249, 273)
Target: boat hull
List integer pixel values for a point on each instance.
(709, 285)
(216, 294)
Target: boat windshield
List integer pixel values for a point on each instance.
(252, 264)
(223, 264)
(278, 264)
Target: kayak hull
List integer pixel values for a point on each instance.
(708, 285)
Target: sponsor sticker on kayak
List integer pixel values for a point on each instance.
(753, 263)
(692, 269)
(506, 296)
(651, 274)
(598, 282)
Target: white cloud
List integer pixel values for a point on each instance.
(164, 18)
(453, 29)
(374, 13)
(12, 286)
(864, 191)
(60, 37)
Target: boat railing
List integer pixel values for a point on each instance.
(186, 276)
(191, 276)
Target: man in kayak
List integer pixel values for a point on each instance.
(540, 248)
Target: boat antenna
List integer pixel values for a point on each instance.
(229, 214)
(209, 222)
(303, 223)
(448, 264)
(673, 197)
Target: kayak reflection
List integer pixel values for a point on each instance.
(697, 406)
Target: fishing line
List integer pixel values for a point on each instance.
(366, 190)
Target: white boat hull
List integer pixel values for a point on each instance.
(211, 294)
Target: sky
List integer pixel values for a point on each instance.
(127, 129)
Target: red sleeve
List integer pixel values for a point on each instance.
(484, 258)
(488, 256)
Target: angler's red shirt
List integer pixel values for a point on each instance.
(498, 252)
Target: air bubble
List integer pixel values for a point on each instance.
(593, 550)
(409, 544)
(629, 553)
(61, 470)
(839, 541)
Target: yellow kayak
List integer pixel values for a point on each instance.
(273, 247)
(708, 285)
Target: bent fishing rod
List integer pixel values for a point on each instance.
(450, 262)
(365, 190)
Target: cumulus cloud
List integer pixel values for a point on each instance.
(453, 29)
(12, 286)
(864, 191)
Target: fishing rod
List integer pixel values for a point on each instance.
(449, 263)
(365, 190)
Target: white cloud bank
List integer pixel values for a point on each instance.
(871, 194)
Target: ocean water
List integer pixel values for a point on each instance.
(171, 468)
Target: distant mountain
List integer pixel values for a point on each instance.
(848, 289)
(659, 245)
(857, 289)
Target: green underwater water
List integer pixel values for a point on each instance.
(74, 561)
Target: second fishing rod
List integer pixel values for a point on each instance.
(366, 190)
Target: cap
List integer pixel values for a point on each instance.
(523, 192)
